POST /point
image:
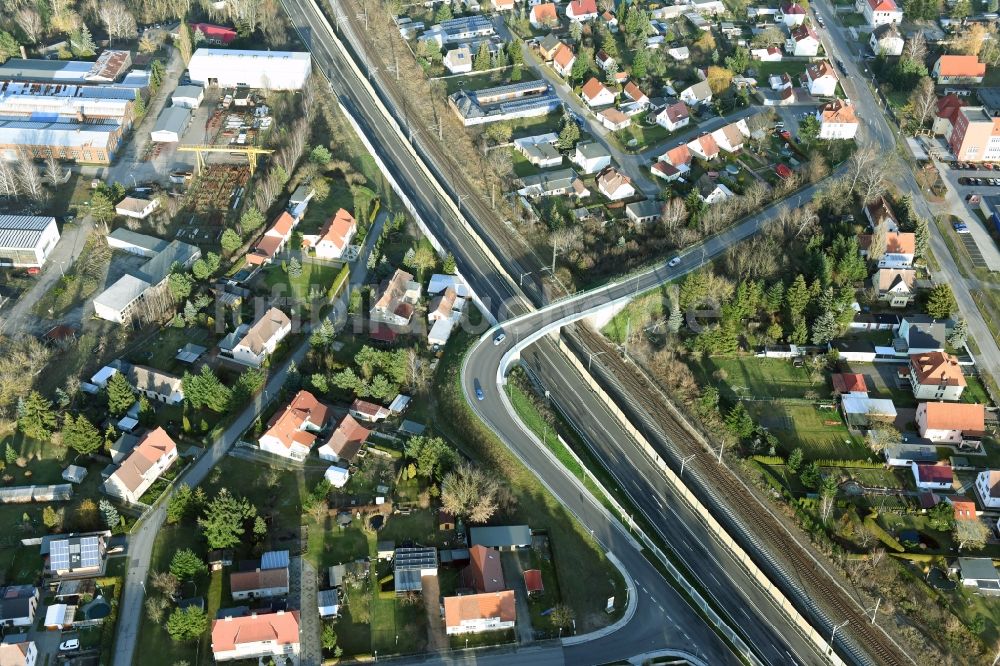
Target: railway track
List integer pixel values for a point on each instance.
(800, 576)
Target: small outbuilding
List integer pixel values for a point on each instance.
(170, 125)
(328, 602)
(188, 97)
(336, 476)
(74, 474)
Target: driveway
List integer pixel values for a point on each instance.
(513, 575)
(437, 639)
(302, 595)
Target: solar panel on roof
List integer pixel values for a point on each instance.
(59, 555)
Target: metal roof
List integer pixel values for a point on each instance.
(22, 231)
(123, 292)
(188, 91)
(56, 133)
(46, 70)
(173, 119)
(414, 559)
(246, 56)
(144, 241)
(274, 559)
(156, 269)
(500, 536)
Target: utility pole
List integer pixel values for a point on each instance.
(875, 610)
(684, 462)
(834, 634)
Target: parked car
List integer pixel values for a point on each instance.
(71, 644)
(961, 228)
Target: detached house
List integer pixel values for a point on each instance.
(256, 636)
(802, 41)
(292, 432)
(730, 137)
(770, 54)
(679, 158)
(792, 14)
(961, 69)
(712, 192)
(18, 604)
(837, 120)
(334, 237)
(639, 100)
(615, 185)
(704, 147)
(151, 457)
(563, 60)
(886, 40)
(821, 79)
(345, 442)
(396, 303)
(156, 385)
(936, 376)
(595, 93)
(879, 12)
(484, 573)
(933, 477)
(674, 116)
(895, 286)
(473, 613)
(543, 15)
(368, 411)
(581, 10)
(605, 61)
(900, 248)
(255, 343)
(880, 212)
(699, 93)
(951, 422)
(21, 653)
(988, 488)
(273, 240)
(614, 119)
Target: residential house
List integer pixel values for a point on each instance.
(540, 150)
(76, 555)
(698, 93)
(156, 385)
(944, 115)
(979, 573)
(595, 93)
(18, 604)
(673, 116)
(368, 411)
(260, 340)
(879, 12)
(933, 477)
(137, 208)
(635, 94)
(581, 10)
(345, 441)
(591, 156)
(919, 334)
(837, 120)
(988, 488)
(605, 62)
(152, 456)
(849, 384)
(770, 54)
(859, 410)
(396, 302)
(273, 241)
(821, 79)
(259, 583)
(548, 46)
(292, 432)
(679, 157)
(951, 422)
(473, 613)
(712, 192)
(563, 60)
(504, 5)
(484, 573)
(886, 40)
(708, 7)
(704, 147)
(543, 15)
(253, 636)
(780, 82)
(679, 53)
(665, 171)
(334, 236)
(802, 41)
(614, 119)
(880, 212)
(645, 212)
(900, 248)
(960, 69)
(963, 508)
(614, 184)
(445, 307)
(501, 537)
(533, 582)
(895, 286)
(936, 375)
(458, 60)
(552, 184)
(792, 14)
(20, 653)
(610, 20)
(730, 137)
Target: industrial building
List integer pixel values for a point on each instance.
(189, 97)
(171, 124)
(109, 67)
(526, 99)
(47, 101)
(273, 70)
(94, 143)
(26, 241)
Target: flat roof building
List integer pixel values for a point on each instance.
(189, 97)
(86, 142)
(108, 67)
(26, 241)
(117, 303)
(273, 70)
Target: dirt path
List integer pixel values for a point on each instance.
(437, 640)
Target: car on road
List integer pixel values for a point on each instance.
(479, 390)
(961, 228)
(673, 262)
(820, 22)
(71, 644)
(963, 181)
(501, 336)
(841, 66)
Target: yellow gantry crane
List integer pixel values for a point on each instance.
(252, 153)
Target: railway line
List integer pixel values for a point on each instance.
(769, 542)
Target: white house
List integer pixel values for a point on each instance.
(18, 604)
(156, 384)
(950, 422)
(262, 338)
(595, 93)
(272, 635)
(792, 14)
(673, 116)
(22, 653)
(151, 457)
(474, 613)
(879, 12)
(458, 60)
(292, 432)
(591, 156)
(614, 119)
(711, 192)
(821, 79)
(614, 184)
(900, 248)
(26, 241)
(344, 442)
(802, 41)
(988, 488)
(887, 40)
(543, 14)
(704, 147)
(933, 477)
(731, 137)
(634, 93)
(334, 237)
(396, 302)
(698, 93)
(581, 10)
(135, 207)
(563, 60)
(770, 54)
(837, 120)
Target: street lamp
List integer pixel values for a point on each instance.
(684, 462)
(520, 280)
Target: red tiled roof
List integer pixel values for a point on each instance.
(849, 383)
(288, 426)
(965, 417)
(564, 56)
(533, 581)
(592, 88)
(544, 13)
(960, 65)
(939, 473)
(792, 8)
(937, 368)
(633, 92)
(883, 6)
(484, 573)
(581, 7)
(347, 439)
(214, 32)
(281, 627)
(479, 606)
(964, 509)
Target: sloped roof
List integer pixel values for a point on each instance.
(992, 482)
(965, 417)
(889, 278)
(338, 228)
(288, 426)
(883, 6)
(484, 573)
(156, 444)
(479, 606)
(939, 473)
(821, 69)
(839, 112)
(937, 368)
(259, 579)
(564, 56)
(264, 329)
(544, 12)
(347, 439)
(849, 383)
(281, 627)
(802, 32)
(633, 92)
(533, 581)
(960, 65)
(149, 379)
(582, 7)
(592, 88)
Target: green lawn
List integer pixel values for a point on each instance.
(820, 433)
(313, 276)
(522, 167)
(487, 80)
(637, 314)
(160, 350)
(319, 212)
(760, 378)
(644, 135)
(78, 282)
(765, 69)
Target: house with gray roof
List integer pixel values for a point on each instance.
(553, 183)
(27, 240)
(170, 125)
(501, 537)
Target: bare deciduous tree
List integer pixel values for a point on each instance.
(470, 492)
(247, 12)
(54, 173)
(29, 179)
(30, 22)
(923, 100)
(8, 180)
(915, 48)
(117, 19)
(673, 214)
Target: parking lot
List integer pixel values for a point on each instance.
(962, 184)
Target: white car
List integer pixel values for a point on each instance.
(71, 644)
(673, 262)
(500, 338)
